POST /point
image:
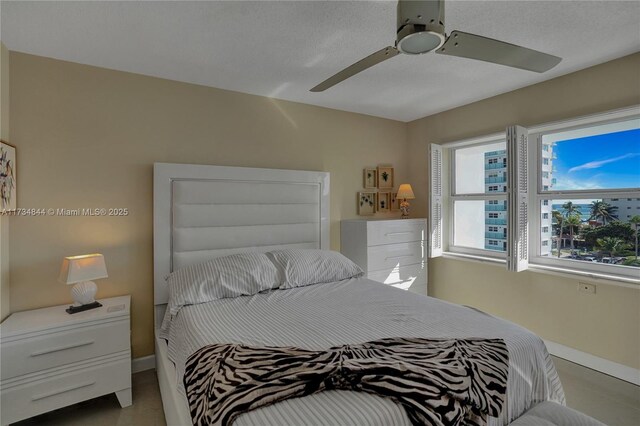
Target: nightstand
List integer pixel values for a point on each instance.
(390, 251)
(50, 359)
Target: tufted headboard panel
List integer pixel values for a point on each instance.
(202, 212)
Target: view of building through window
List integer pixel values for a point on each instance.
(495, 211)
(481, 171)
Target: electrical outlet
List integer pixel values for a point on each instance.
(587, 288)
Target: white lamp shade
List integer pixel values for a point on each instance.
(87, 267)
(405, 191)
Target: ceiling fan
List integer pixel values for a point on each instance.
(420, 29)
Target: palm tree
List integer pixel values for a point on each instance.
(572, 222)
(559, 218)
(571, 213)
(570, 209)
(635, 221)
(604, 211)
(612, 245)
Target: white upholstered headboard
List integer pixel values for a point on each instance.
(201, 212)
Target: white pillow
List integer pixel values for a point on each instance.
(306, 266)
(229, 276)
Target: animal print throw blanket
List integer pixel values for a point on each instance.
(437, 381)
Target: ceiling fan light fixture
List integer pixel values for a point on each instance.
(415, 42)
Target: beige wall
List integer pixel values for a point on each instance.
(606, 324)
(89, 136)
(4, 221)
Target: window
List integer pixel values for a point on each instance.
(477, 198)
(567, 191)
(585, 212)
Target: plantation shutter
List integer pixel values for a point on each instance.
(517, 199)
(435, 204)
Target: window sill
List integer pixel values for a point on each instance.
(543, 269)
(475, 258)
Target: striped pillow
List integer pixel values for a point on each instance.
(306, 266)
(229, 276)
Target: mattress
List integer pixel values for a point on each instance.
(354, 311)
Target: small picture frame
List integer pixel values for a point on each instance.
(370, 178)
(394, 203)
(366, 203)
(385, 177)
(8, 185)
(383, 202)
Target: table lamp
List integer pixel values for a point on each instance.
(80, 270)
(405, 193)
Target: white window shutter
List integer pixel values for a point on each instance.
(517, 199)
(435, 201)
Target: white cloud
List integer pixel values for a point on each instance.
(570, 184)
(597, 164)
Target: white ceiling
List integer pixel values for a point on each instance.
(282, 49)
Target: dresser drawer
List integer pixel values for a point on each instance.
(395, 231)
(390, 256)
(26, 400)
(64, 347)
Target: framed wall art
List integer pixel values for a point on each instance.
(394, 203)
(383, 202)
(366, 203)
(385, 177)
(8, 188)
(370, 178)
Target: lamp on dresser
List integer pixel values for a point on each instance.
(80, 270)
(405, 192)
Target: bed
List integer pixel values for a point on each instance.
(203, 212)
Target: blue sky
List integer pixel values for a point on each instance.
(604, 161)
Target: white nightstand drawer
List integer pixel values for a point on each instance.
(64, 347)
(39, 396)
(390, 256)
(395, 231)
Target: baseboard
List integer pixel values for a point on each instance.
(143, 363)
(619, 371)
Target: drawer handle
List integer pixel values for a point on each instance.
(63, 390)
(389, 234)
(398, 257)
(62, 348)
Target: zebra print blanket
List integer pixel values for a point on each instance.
(437, 381)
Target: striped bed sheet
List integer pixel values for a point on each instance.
(357, 310)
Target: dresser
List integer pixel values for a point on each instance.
(391, 251)
(50, 359)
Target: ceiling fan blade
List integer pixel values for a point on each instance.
(371, 60)
(486, 49)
